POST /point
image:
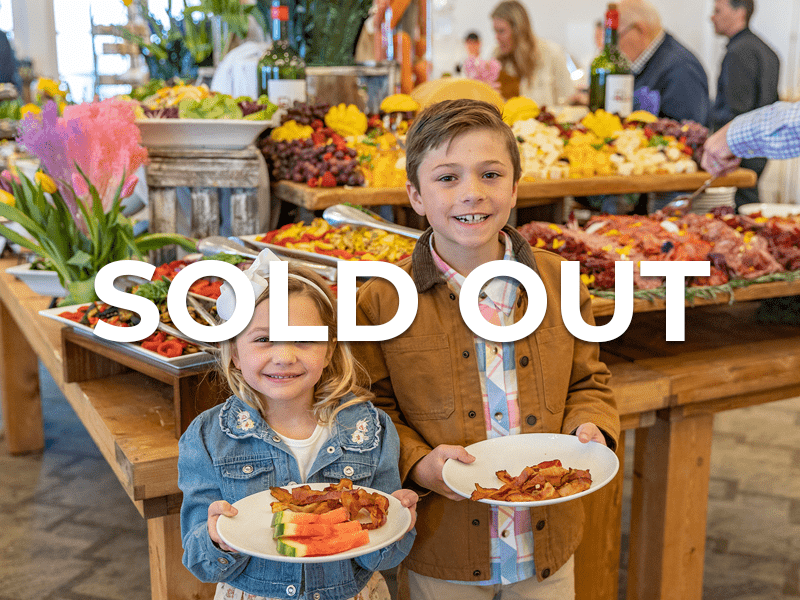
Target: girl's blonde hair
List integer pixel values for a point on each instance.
(524, 58)
(338, 379)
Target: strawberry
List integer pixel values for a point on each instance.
(327, 156)
(328, 180)
(316, 124)
(313, 182)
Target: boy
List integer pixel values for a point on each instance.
(445, 388)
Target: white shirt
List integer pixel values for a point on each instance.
(305, 451)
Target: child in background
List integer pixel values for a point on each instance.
(446, 388)
(296, 416)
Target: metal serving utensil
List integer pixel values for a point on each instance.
(684, 202)
(216, 244)
(341, 214)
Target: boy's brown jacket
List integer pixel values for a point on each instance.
(427, 381)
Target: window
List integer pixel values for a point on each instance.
(6, 18)
(74, 41)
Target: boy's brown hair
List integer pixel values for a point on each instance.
(440, 123)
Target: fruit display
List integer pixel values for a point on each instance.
(160, 101)
(346, 242)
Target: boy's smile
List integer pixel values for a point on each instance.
(467, 191)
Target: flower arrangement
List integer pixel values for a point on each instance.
(486, 71)
(72, 208)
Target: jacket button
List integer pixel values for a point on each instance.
(317, 595)
(276, 439)
(540, 525)
(476, 573)
(465, 354)
(476, 522)
(545, 573)
(452, 296)
(290, 590)
(348, 470)
(523, 361)
(471, 414)
(247, 469)
(222, 560)
(330, 450)
(530, 420)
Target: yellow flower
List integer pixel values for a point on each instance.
(7, 198)
(587, 279)
(46, 182)
(29, 108)
(49, 87)
(127, 2)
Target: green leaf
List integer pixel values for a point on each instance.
(154, 241)
(80, 259)
(80, 292)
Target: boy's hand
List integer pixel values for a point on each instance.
(589, 432)
(220, 507)
(428, 471)
(408, 498)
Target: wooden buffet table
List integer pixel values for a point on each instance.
(666, 391)
(531, 193)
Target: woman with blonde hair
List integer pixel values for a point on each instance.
(532, 66)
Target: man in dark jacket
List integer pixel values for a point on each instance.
(748, 78)
(668, 79)
(8, 63)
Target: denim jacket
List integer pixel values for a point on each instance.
(229, 452)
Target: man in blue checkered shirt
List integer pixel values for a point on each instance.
(772, 132)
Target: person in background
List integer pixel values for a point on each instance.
(669, 81)
(531, 66)
(472, 45)
(446, 387)
(772, 131)
(9, 71)
(748, 78)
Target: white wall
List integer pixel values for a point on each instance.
(571, 24)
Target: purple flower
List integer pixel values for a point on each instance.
(46, 137)
(646, 99)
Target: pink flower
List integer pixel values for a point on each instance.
(129, 186)
(486, 71)
(110, 150)
(9, 176)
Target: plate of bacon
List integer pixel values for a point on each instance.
(315, 522)
(532, 469)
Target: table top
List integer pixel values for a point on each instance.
(129, 416)
(530, 193)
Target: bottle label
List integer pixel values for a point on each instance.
(284, 92)
(619, 94)
(280, 13)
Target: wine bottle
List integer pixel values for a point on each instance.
(281, 70)
(611, 80)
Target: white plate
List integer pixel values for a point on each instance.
(250, 531)
(45, 283)
(186, 360)
(771, 210)
(515, 452)
(231, 134)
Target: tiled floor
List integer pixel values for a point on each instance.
(71, 533)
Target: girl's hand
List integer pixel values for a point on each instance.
(428, 471)
(220, 507)
(408, 498)
(589, 432)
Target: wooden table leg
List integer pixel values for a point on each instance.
(169, 579)
(669, 508)
(597, 558)
(19, 388)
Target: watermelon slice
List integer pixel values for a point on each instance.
(317, 546)
(339, 515)
(315, 529)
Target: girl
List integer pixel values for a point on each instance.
(296, 416)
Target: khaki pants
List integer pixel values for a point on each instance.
(559, 586)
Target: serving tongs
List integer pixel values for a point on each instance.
(216, 244)
(683, 203)
(342, 214)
